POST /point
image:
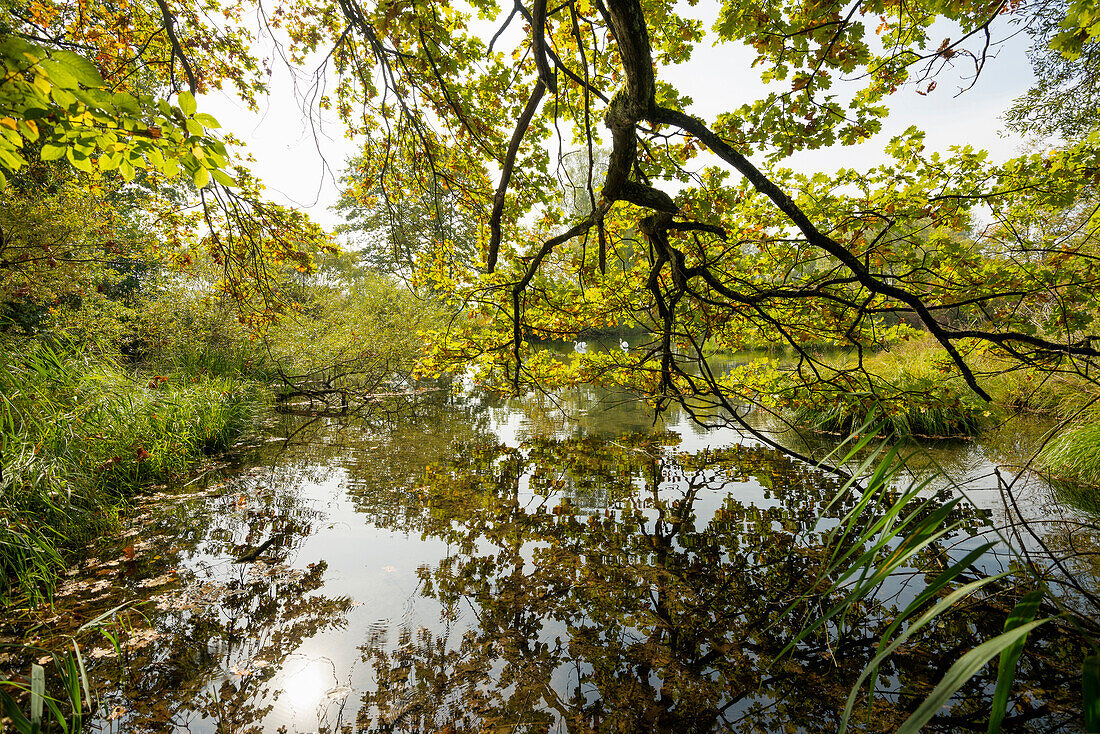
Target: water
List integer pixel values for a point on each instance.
(540, 565)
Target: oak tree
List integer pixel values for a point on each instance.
(722, 245)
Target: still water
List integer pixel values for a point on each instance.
(552, 564)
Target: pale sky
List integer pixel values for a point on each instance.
(290, 154)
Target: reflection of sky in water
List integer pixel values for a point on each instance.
(361, 495)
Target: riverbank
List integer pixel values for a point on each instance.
(81, 434)
(914, 390)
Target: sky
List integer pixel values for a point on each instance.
(300, 161)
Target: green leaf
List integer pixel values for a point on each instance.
(96, 99)
(187, 103)
(38, 693)
(83, 676)
(223, 178)
(59, 74)
(125, 103)
(11, 160)
(208, 121)
(10, 708)
(1023, 613)
(202, 177)
(62, 97)
(80, 67)
(962, 671)
(1090, 692)
(51, 152)
(79, 161)
(29, 132)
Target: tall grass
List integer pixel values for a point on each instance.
(891, 525)
(915, 390)
(78, 434)
(911, 391)
(63, 706)
(1072, 461)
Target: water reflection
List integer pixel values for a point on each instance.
(479, 566)
(649, 597)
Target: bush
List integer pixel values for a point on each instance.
(190, 335)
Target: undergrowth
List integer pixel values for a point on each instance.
(78, 435)
(1072, 461)
(910, 390)
(914, 389)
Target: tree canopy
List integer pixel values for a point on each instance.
(695, 231)
(720, 244)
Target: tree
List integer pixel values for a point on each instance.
(407, 226)
(109, 89)
(1066, 93)
(737, 253)
(768, 254)
(56, 104)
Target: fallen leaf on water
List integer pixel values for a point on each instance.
(335, 694)
(141, 638)
(117, 713)
(157, 581)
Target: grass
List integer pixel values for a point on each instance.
(915, 390)
(1072, 460)
(911, 390)
(78, 435)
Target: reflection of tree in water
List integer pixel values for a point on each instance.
(221, 631)
(585, 410)
(384, 459)
(653, 615)
(221, 636)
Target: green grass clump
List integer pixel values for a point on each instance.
(78, 435)
(915, 389)
(1072, 459)
(1061, 395)
(911, 391)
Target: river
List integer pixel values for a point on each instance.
(552, 563)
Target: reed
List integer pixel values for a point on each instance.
(910, 392)
(915, 390)
(893, 523)
(1072, 461)
(78, 435)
